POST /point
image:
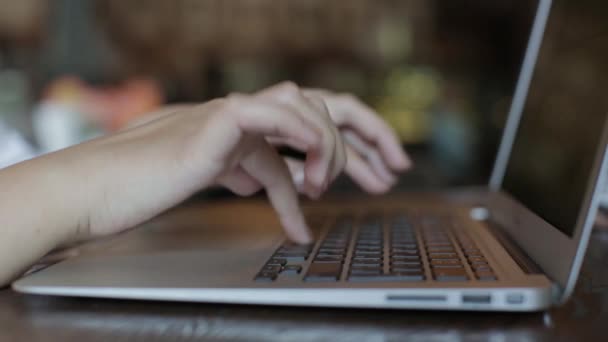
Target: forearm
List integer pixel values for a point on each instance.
(97, 188)
(41, 207)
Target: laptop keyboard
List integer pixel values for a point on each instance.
(378, 248)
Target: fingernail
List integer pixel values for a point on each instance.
(298, 178)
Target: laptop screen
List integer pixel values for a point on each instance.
(560, 130)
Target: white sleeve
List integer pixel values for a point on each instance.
(13, 147)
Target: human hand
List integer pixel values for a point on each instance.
(147, 169)
(373, 150)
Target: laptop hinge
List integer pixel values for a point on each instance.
(521, 257)
(556, 293)
(515, 251)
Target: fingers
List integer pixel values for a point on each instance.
(296, 168)
(267, 167)
(273, 120)
(326, 162)
(361, 172)
(347, 110)
(240, 182)
(371, 156)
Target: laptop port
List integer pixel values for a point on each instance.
(476, 299)
(515, 298)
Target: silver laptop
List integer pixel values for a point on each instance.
(516, 246)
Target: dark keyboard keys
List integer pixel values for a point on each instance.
(323, 272)
(271, 268)
(291, 270)
(371, 251)
(277, 261)
(445, 262)
(365, 271)
(450, 275)
(265, 277)
(292, 257)
(328, 260)
(386, 278)
(477, 262)
(443, 256)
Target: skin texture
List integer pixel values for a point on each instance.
(116, 182)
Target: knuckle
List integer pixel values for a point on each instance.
(347, 97)
(232, 104)
(234, 100)
(289, 89)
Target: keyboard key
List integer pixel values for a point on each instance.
(377, 239)
(368, 253)
(271, 268)
(450, 275)
(366, 261)
(472, 252)
(386, 278)
(479, 262)
(407, 272)
(334, 245)
(323, 272)
(331, 250)
(336, 242)
(406, 266)
(365, 272)
(265, 277)
(369, 245)
(366, 266)
(441, 249)
(330, 256)
(399, 270)
(291, 258)
(408, 246)
(459, 266)
(482, 267)
(443, 256)
(485, 275)
(405, 262)
(446, 262)
(328, 260)
(291, 270)
(399, 251)
(369, 249)
(367, 258)
(439, 244)
(277, 261)
(476, 258)
(405, 257)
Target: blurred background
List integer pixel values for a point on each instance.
(441, 72)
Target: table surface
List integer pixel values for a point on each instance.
(31, 318)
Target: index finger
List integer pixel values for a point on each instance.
(269, 169)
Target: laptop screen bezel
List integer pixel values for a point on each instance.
(535, 235)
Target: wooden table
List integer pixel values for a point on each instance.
(31, 318)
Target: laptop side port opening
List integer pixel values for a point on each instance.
(416, 298)
(476, 299)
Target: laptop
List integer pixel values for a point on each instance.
(516, 245)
